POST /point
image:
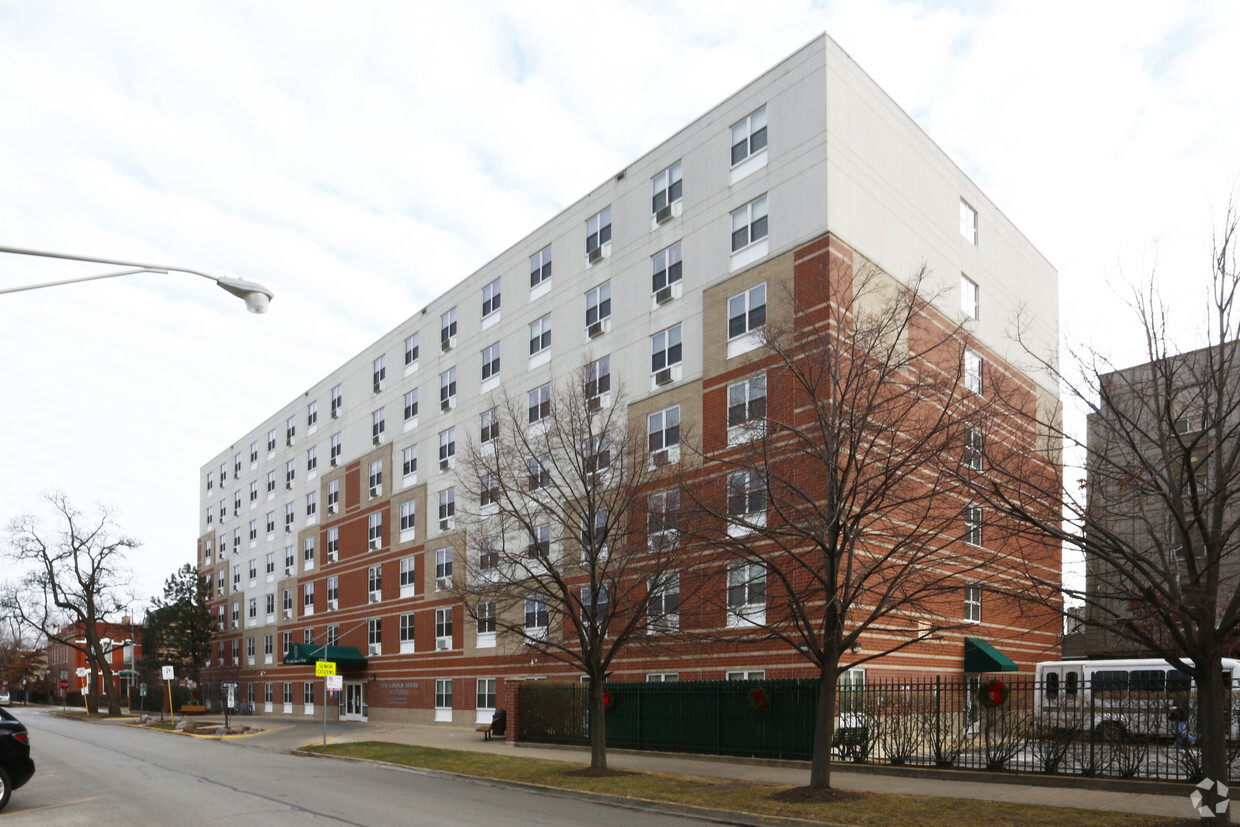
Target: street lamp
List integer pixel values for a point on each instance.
(255, 295)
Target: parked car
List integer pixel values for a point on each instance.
(5, 700)
(16, 768)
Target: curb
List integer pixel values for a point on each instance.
(621, 802)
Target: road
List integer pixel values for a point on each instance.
(104, 773)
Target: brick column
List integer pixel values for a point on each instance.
(511, 687)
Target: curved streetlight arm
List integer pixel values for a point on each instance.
(255, 295)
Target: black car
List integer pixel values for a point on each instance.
(16, 768)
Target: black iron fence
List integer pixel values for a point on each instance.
(996, 723)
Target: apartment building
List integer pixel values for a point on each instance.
(333, 522)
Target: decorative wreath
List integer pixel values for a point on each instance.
(757, 701)
(607, 700)
(993, 693)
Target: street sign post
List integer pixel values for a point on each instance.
(325, 669)
(169, 674)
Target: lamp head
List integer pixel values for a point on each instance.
(256, 296)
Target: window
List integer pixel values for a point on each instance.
(746, 408)
(447, 448)
(594, 534)
(223, 473)
(409, 460)
(746, 594)
(443, 628)
(374, 529)
(540, 542)
(336, 449)
(210, 480)
(223, 510)
(237, 502)
(271, 481)
(307, 690)
(667, 187)
(447, 508)
(443, 569)
(749, 223)
(973, 604)
(237, 457)
(289, 516)
(312, 503)
(968, 222)
(746, 502)
(662, 677)
(253, 530)
(411, 404)
(271, 440)
(312, 461)
(210, 518)
(486, 694)
(374, 583)
(663, 607)
(540, 403)
(540, 472)
(663, 428)
(443, 697)
(665, 349)
(376, 478)
(447, 328)
(540, 267)
(332, 638)
(377, 426)
(969, 299)
(307, 597)
(312, 419)
(488, 554)
(271, 562)
(307, 553)
(337, 400)
(271, 522)
(333, 545)
(408, 514)
(333, 590)
(973, 524)
(236, 576)
(333, 496)
(490, 298)
(488, 490)
(290, 557)
(489, 428)
(665, 268)
(598, 378)
(598, 304)
(747, 311)
(595, 608)
(447, 389)
(536, 620)
(290, 473)
(974, 448)
(253, 609)
(411, 349)
(270, 601)
(540, 335)
(745, 675)
(253, 452)
(374, 636)
(662, 517)
(486, 618)
(749, 136)
(598, 233)
(598, 454)
(406, 633)
(490, 362)
(973, 370)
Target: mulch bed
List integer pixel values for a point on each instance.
(814, 795)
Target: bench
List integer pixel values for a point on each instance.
(851, 742)
(485, 729)
(192, 709)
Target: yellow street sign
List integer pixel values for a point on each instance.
(323, 668)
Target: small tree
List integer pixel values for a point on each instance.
(1159, 526)
(834, 502)
(178, 627)
(557, 551)
(72, 585)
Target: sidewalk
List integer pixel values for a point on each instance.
(794, 773)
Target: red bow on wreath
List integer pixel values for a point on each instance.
(759, 701)
(993, 693)
(606, 700)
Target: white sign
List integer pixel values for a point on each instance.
(232, 694)
(169, 673)
(82, 671)
(334, 683)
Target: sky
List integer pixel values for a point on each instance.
(359, 159)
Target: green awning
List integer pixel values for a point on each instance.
(980, 656)
(307, 654)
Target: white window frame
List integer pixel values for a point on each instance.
(970, 297)
(412, 350)
(443, 629)
(968, 222)
(598, 231)
(973, 370)
(540, 335)
(747, 409)
(491, 294)
(749, 136)
(443, 700)
(974, 523)
(374, 530)
(540, 268)
(537, 619)
(746, 595)
(667, 187)
(540, 403)
(750, 224)
(443, 568)
(490, 362)
(407, 627)
(973, 604)
(662, 618)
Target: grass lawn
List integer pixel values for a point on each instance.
(738, 796)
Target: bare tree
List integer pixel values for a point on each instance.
(834, 499)
(558, 558)
(73, 583)
(1159, 525)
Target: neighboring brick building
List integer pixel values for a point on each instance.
(323, 524)
(123, 643)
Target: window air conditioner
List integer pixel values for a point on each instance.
(594, 403)
(288, 528)
(289, 569)
(376, 439)
(595, 254)
(334, 460)
(288, 484)
(664, 213)
(443, 583)
(444, 465)
(446, 405)
(331, 508)
(331, 605)
(441, 645)
(288, 442)
(594, 330)
(374, 598)
(663, 296)
(444, 525)
(378, 386)
(660, 458)
(335, 413)
(376, 490)
(663, 377)
(446, 345)
(374, 649)
(234, 624)
(374, 543)
(288, 614)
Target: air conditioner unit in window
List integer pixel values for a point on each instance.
(663, 214)
(288, 614)
(335, 413)
(443, 583)
(234, 624)
(288, 442)
(445, 405)
(331, 508)
(334, 460)
(595, 254)
(594, 403)
(444, 525)
(663, 377)
(445, 345)
(376, 490)
(374, 598)
(594, 330)
(289, 569)
(374, 649)
(289, 485)
(444, 464)
(288, 528)
(376, 439)
(660, 458)
(378, 386)
(441, 644)
(331, 605)
(663, 296)
(373, 544)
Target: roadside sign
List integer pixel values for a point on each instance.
(82, 672)
(64, 684)
(142, 691)
(323, 668)
(169, 673)
(334, 683)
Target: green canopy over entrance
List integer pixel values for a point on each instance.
(307, 654)
(980, 656)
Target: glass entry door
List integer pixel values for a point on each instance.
(353, 701)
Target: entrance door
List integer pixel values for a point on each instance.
(353, 701)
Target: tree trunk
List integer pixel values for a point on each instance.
(824, 725)
(598, 726)
(1212, 726)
